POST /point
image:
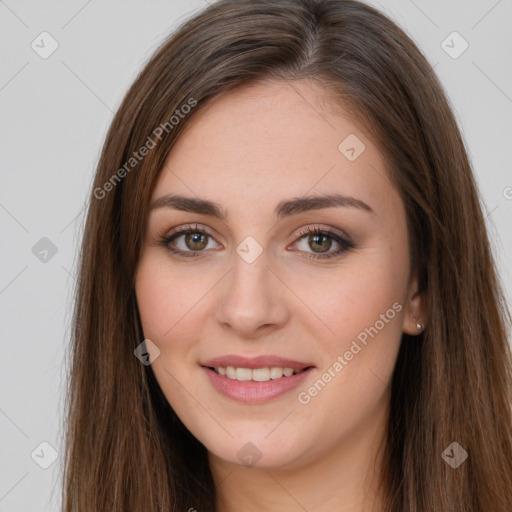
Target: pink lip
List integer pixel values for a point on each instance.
(255, 362)
(252, 391)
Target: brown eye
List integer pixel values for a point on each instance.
(317, 244)
(196, 241)
(189, 241)
(321, 242)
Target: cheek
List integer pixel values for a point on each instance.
(171, 310)
(353, 298)
(166, 298)
(363, 305)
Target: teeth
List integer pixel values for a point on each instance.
(276, 373)
(258, 374)
(243, 374)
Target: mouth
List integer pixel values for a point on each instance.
(253, 380)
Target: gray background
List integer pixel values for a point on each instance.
(55, 113)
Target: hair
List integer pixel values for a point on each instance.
(126, 449)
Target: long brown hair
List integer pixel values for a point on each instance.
(126, 450)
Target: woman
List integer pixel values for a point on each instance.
(287, 299)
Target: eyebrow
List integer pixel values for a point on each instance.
(284, 208)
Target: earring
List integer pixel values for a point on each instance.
(419, 325)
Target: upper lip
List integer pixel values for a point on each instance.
(265, 361)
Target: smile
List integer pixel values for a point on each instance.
(252, 386)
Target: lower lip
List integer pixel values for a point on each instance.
(251, 391)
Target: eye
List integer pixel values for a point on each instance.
(321, 241)
(191, 241)
(188, 241)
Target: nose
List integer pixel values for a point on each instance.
(252, 301)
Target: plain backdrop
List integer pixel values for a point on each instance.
(55, 111)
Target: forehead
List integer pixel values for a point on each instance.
(261, 142)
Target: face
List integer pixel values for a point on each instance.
(317, 286)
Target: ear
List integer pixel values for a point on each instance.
(415, 310)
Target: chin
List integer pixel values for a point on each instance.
(253, 450)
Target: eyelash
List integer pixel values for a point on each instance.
(345, 244)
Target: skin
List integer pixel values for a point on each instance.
(248, 150)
